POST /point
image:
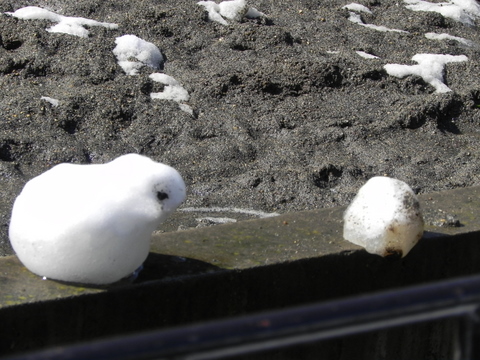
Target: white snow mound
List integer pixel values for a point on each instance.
(92, 223)
(65, 24)
(234, 10)
(384, 218)
(130, 47)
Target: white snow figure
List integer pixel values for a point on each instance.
(92, 224)
(384, 218)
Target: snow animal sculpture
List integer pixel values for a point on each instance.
(92, 224)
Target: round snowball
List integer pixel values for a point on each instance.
(384, 218)
(92, 224)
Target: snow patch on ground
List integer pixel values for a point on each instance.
(366, 55)
(173, 91)
(435, 36)
(52, 101)
(357, 7)
(465, 11)
(130, 47)
(430, 68)
(234, 10)
(65, 24)
(357, 19)
(216, 220)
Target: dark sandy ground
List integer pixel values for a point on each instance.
(287, 116)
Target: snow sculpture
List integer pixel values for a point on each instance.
(91, 224)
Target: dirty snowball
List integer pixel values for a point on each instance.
(384, 218)
(92, 224)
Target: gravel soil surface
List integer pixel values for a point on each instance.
(287, 116)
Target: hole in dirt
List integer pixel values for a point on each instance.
(12, 45)
(70, 126)
(272, 88)
(324, 177)
(6, 151)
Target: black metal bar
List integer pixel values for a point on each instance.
(273, 330)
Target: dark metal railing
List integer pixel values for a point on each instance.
(452, 299)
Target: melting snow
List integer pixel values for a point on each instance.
(430, 68)
(384, 218)
(357, 7)
(464, 11)
(217, 220)
(233, 10)
(50, 100)
(173, 91)
(357, 19)
(434, 36)
(65, 24)
(131, 47)
(366, 55)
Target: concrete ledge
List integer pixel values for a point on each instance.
(247, 244)
(307, 234)
(199, 275)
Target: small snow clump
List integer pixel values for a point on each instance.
(384, 218)
(52, 101)
(234, 10)
(253, 13)
(430, 68)
(92, 224)
(173, 91)
(257, 213)
(65, 24)
(464, 11)
(130, 47)
(357, 7)
(357, 19)
(216, 220)
(443, 36)
(366, 55)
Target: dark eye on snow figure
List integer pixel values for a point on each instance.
(161, 195)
